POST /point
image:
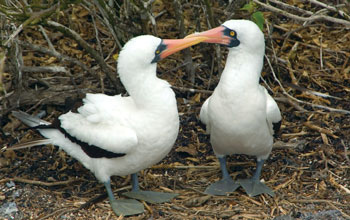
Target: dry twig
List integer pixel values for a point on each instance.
(305, 19)
(36, 182)
(71, 33)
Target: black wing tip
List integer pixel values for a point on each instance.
(90, 150)
(276, 128)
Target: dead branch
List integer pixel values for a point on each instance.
(71, 33)
(2, 67)
(338, 185)
(55, 95)
(331, 8)
(59, 213)
(110, 20)
(36, 182)
(290, 102)
(211, 24)
(300, 101)
(33, 19)
(312, 92)
(304, 19)
(190, 70)
(291, 7)
(210, 13)
(49, 69)
(345, 152)
(319, 129)
(58, 55)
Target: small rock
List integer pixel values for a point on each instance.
(16, 193)
(9, 210)
(2, 196)
(10, 184)
(4, 162)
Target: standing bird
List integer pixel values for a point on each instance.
(115, 135)
(240, 116)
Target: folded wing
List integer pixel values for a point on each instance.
(273, 114)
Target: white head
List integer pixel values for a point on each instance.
(138, 59)
(140, 54)
(137, 54)
(250, 36)
(139, 51)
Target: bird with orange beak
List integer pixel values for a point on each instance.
(118, 135)
(240, 116)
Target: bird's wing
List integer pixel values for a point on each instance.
(203, 115)
(273, 114)
(103, 122)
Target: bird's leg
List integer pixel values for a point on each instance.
(125, 207)
(253, 186)
(223, 167)
(135, 182)
(225, 185)
(257, 173)
(148, 196)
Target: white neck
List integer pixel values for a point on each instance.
(146, 89)
(242, 70)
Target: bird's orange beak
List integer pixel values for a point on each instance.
(175, 45)
(214, 35)
(218, 35)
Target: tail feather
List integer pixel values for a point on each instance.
(28, 119)
(29, 144)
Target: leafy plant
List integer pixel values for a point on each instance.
(256, 16)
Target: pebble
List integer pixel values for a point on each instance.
(9, 210)
(10, 184)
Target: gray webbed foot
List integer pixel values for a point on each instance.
(222, 187)
(225, 185)
(127, 207)
(147, 196)
(151, 196)
(254, 187)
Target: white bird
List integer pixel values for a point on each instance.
(240, 116)
(115, 135)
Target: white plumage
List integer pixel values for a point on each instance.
(240, 113)
(122, 135)
(143, 126)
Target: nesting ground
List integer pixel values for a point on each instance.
(309, 167)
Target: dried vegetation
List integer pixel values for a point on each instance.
(63, 50)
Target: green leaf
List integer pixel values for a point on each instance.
(259, 19)
(248, 7)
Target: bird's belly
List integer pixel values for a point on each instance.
(241, 137)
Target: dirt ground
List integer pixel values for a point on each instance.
(309, 76)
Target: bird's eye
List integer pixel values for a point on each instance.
(157, 51)
(232, 33)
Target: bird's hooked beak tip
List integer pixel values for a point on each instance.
(209, 34)
(214, 35)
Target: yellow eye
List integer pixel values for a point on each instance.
(232, 33)
(157, 51)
